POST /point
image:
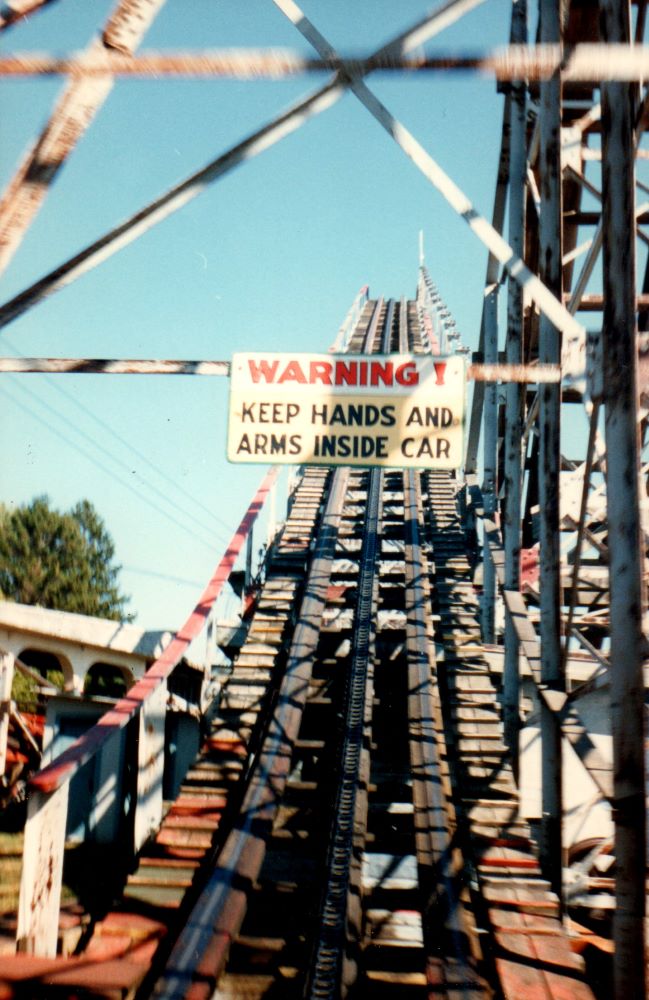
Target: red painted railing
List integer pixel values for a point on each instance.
(45, 830)
(69, 762)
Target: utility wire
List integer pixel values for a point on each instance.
(127, 444)
(143, 458)
(100, 465)
(140, 571)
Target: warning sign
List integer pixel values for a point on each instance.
(392, 410)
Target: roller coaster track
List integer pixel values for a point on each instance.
(353, 821)
(350, 827)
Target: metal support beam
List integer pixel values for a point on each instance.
(551, 257)
(514, 395)
(492, 278)
(172, 200)
(490, 481)
(535, 291)
(18, 10)
(73, 113)
(620, 397)
(178, 196)
(112, 366)
(586, 62)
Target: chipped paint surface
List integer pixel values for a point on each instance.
(40, 887)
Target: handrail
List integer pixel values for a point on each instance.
(350, 320)
(146, 705)
(71, 760)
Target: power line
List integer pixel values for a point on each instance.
(143, 458)
(91, 458)
(140, 571)
(127, 444)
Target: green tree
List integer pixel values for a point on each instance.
(60, 560)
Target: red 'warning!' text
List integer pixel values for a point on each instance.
(398, 410)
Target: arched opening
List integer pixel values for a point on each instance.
(55, 671)
(106, 680)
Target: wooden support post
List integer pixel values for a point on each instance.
(42, 874)
(150, 765)
(551, 257)
(490, 482)
(513, 415)
(627, 600)
(6, 681)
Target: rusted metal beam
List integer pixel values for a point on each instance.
(595, 302)
(536, 374)
(179, 195)
(71, 117)
(620, 396)
(115, 366)
(17, 10)
(492, 373)
(586, 218)
(551, 268)
(445, 14)
(585, 62)
(168, 203)
(573, 332)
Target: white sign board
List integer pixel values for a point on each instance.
(392, 410)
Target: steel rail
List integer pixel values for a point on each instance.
(200, 953)
(432, 794)
(348, 324)
(446, 922)
(334, 967)
(326, 973)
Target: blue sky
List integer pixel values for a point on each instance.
(268, 258)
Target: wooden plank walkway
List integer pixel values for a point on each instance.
(528, 944)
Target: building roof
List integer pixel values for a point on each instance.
(84, 630)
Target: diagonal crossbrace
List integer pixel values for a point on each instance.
(574, 333)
